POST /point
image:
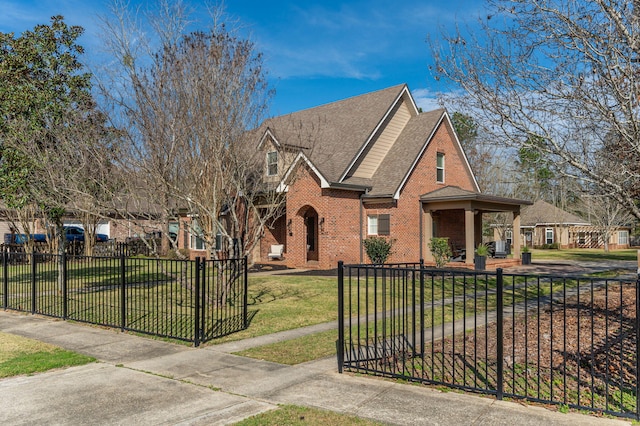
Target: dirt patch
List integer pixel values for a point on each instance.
(580, 352)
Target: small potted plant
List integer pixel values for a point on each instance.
(480, 258)
(526, 255)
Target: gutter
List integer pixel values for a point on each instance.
(349, 187)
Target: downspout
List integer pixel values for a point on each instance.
(361, 224)
(420, 231)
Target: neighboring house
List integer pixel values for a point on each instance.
(371, 165)
(543, 224)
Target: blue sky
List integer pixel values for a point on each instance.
(315, 51)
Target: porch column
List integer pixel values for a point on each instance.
(427, 234)
(516, 235)
(469, 235)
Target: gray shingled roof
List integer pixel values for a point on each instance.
(403, 153)
(331, 135)
(456, 193)
(542, 212)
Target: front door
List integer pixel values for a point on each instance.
(311, 228)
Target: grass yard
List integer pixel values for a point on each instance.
(293, 415)
(285, 302)
(296, 351)
(20, 356)
(584, 254)
(319, 345)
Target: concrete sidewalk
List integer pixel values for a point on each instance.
(144, 381)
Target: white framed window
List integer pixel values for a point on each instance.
(196, 242)
(548, 236)
(378, 224)
(623, 237)
(582, 238)
(508, 236)
(440, 167)
(272, 163)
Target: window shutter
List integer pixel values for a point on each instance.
(383, 224)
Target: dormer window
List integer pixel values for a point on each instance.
(440, 168)
(272, 163)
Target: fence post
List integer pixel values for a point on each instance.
(5, 277)
(340, 342)
(245, 301)
(500, 334)
(421, 309)
(123, 292)
(65, 293)
(196, 322)
(638, 340)
(34, 271)
(203, 298)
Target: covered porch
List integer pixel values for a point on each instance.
(456, 214)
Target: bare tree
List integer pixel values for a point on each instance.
(71, 172)
(558, 76)
(606, 214)
(188, 100)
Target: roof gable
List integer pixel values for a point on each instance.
(333, 135)
(383, 138)
(374, 140)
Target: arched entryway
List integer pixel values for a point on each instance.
(310, 217)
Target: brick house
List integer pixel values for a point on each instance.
(545, 225)
(371, 165)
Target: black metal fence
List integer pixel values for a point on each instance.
(571, 341)
(195, 301)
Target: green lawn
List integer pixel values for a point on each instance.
(285, 302)
(293, 415)
(585, 254)
(20, 355)
(319, 345)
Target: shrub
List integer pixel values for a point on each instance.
(440, 250)
(378, 249)
(554, 246)
(482, 250)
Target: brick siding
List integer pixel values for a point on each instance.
(343, 224)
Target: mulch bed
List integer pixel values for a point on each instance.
(579, 353)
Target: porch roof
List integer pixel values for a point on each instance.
(451, 197)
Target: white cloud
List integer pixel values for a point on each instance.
(426, 99)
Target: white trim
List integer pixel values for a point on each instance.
(370, 219)
(438, 168)
(553, 236)
(269, 133)
(445, 115)
(405, 90)
(464, 156)
(622, 232)
(283, 187)
(277, 163)
(396, 195)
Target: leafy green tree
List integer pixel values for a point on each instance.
(43, 89)
(466, 128)
(536, 170)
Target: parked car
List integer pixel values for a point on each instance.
(76, 234)
(72, 234)
(22, 238)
